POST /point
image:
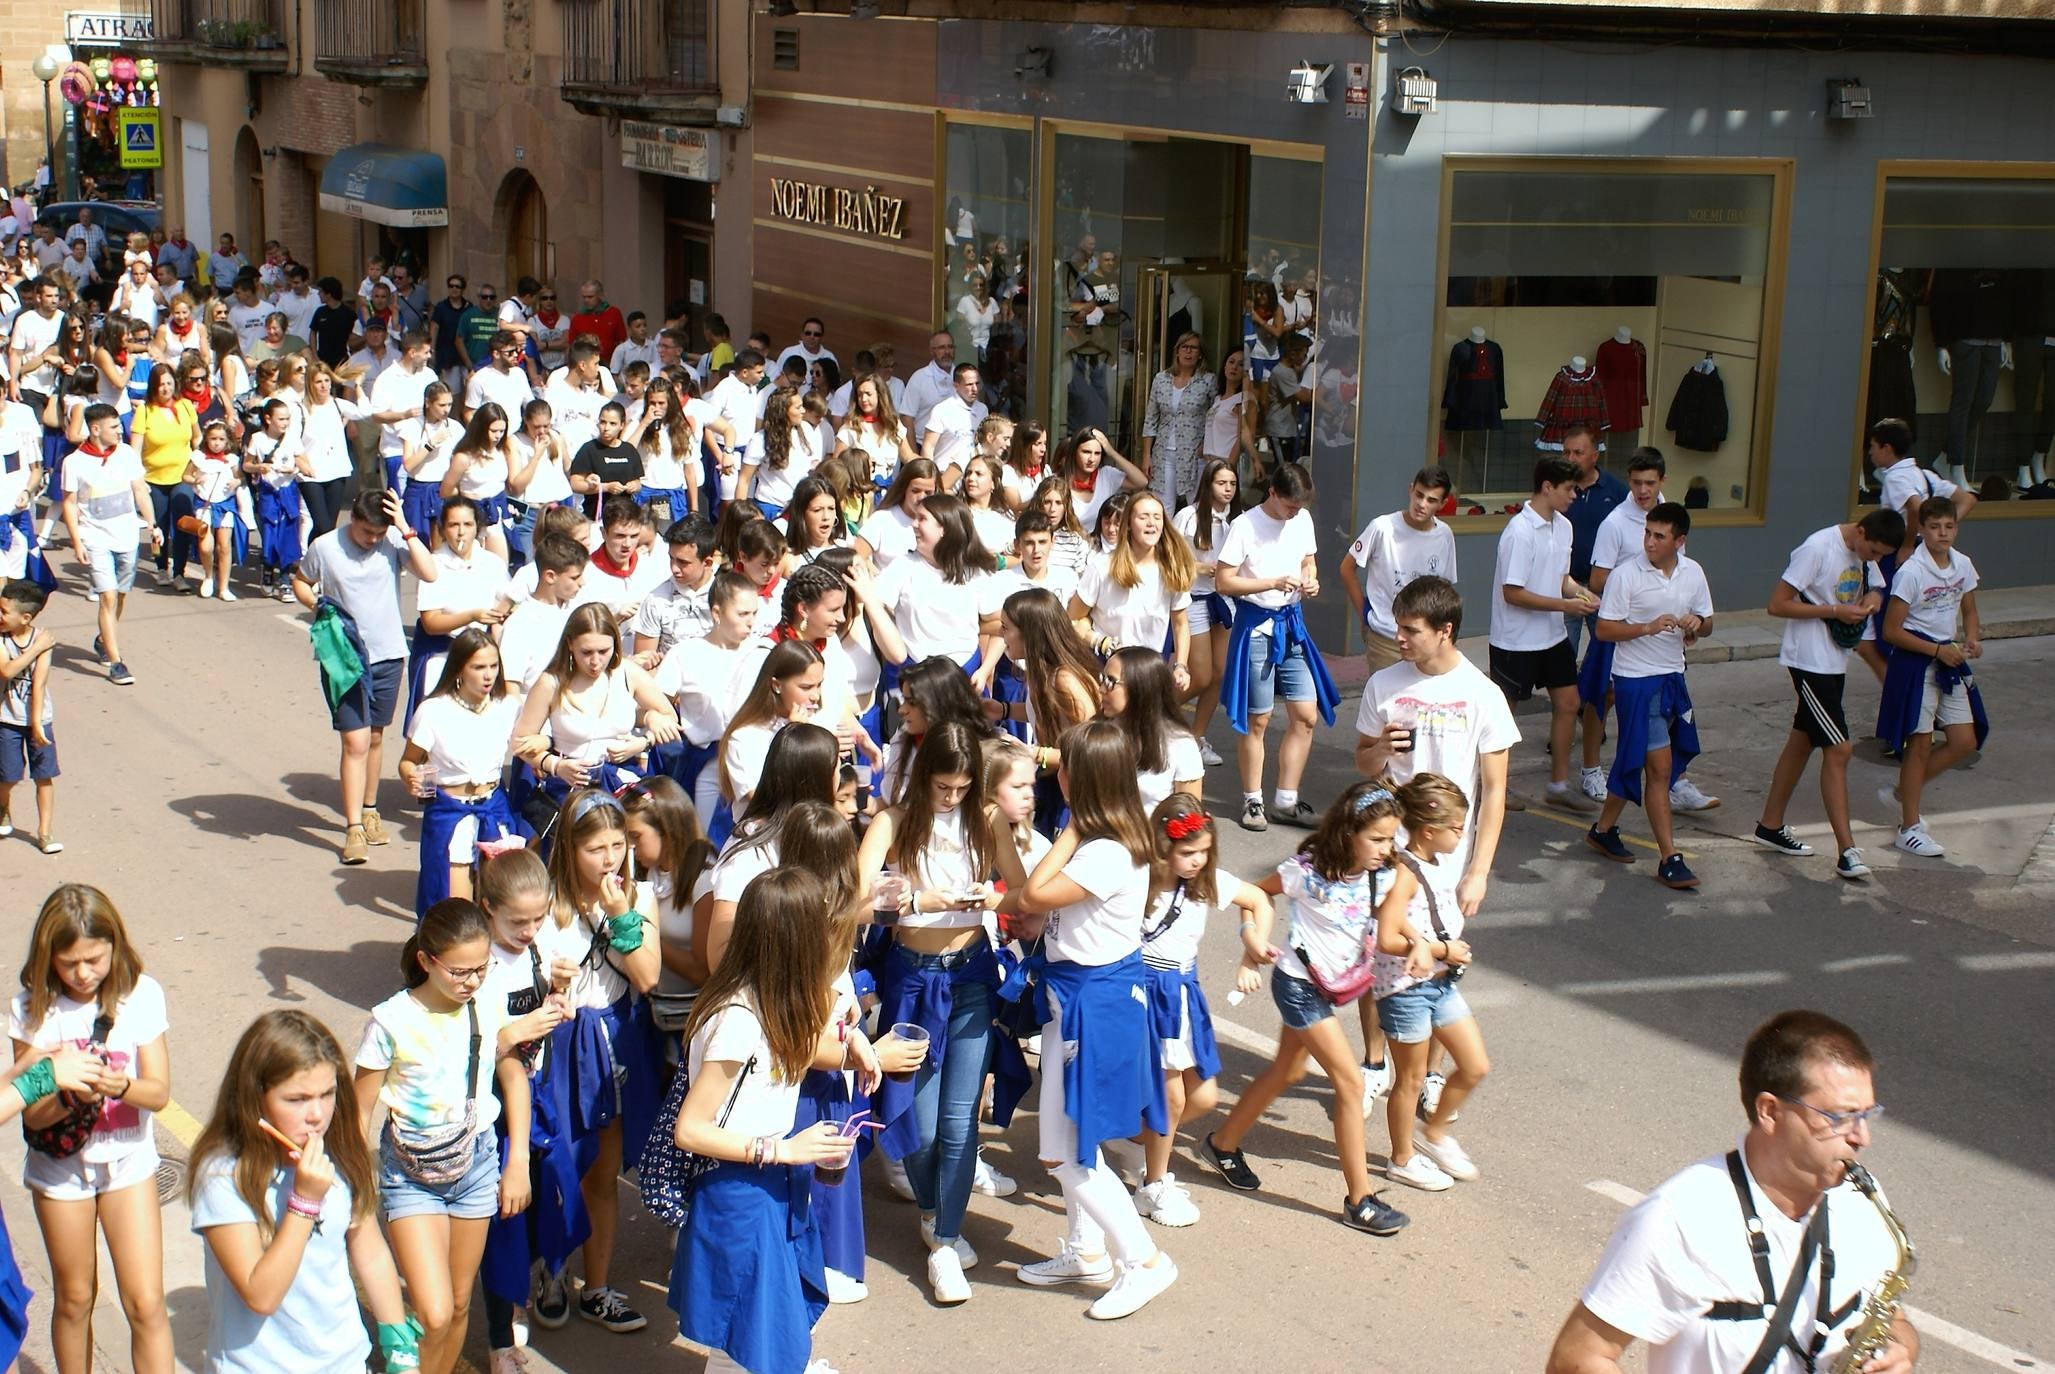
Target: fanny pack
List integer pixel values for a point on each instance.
(442, 1155)
(69, 1134)
(1345, 987)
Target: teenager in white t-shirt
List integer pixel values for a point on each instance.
(1934, 589)
(1827, 579)
(1095, 471)
(1391, 551)
(1532, 591)
(942, 598)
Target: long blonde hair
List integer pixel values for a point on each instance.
(273, 1048)
(585, 813)
(71, 913)
(1174, 561)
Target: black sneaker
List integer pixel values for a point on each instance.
(1231, 1165)
(607, 1307)
(1370, 1214)
(120, 676)
(1609, 843)
(1782, 840)
(1298, 814)
(552, 1305)
(1673, 873)
(1253, 817)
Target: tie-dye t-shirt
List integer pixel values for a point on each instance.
(423, 1054)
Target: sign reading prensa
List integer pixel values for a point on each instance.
(837, 207)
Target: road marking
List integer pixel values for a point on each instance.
(1690, 982)
(180, 1123)
(1585, 823)
(2007, 963)
(1930, 1326)
(1864, 961)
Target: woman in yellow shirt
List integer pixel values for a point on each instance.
(166, 431)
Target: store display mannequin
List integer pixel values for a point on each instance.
(1574, 395)
(1471, 400)
(1892, 391)
(1183, 313)
(1971, 312)
(2034, 382)
(1623, 371)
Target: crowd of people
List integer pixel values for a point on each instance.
(799, 757)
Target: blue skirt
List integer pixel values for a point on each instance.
(747, 1278)
(825, 1095)
(422, 504)
(278, 517)
(439, 821)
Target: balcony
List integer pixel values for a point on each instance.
(245, 34)
(371, 42)
(642, 59)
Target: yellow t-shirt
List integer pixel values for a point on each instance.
(165, 439)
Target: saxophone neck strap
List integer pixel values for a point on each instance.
(1778, 1310)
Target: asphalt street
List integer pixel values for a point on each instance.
(203, 801)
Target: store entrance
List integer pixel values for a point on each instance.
(1170, 302)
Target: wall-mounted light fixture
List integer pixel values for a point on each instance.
(1848, 98)
(1035, 62)
(1307, 84)
(1415, 92)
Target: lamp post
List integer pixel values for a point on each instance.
(45, 69)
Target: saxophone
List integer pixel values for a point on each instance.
(1873, 1332)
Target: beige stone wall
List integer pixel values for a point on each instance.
(26, 28)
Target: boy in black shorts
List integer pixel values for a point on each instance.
(1826, 593)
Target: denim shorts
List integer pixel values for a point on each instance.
(1658, 724)
(111, 570)
(21, 758)
(1298, 1001)
(1409, 1016)
(1294, 678)
(474, 1197)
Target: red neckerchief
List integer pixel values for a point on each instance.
(1033, 474)
(768, 588)
(605, 563)
(786, 632)
(87, 447)
(172, 325)
(1086, 483)
(913, 740)
(199, 398)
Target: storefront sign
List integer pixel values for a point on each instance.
(107, 28)
(689, 153)
(837, 207)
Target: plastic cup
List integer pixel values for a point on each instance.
(424, 782)
(886, 894)
(912, 1034)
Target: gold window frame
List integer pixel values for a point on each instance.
(1935, 170)
(1781, 172)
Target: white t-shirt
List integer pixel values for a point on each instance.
(248, 322)
(573, 409)
(1176, 945)
(889, 532)
(1261, 546)
(462, 584)
(1619, 535)
(1685, 1246)
(1933, 594)
(217, 476)
(528, 640)
(1533, 554)
(1328, 919)
(773, 486)
(600, 983)
(1392, 553)
(122, 1130)
(1905, 480)
(935, 615)
(1140, 615)
(747, 749)
(705, 681)
(1185, 765)
(104, 485)
(437, 438)
(465, 747)
(30, 336)
(550, 484)
(1107, 483)
(510, 391)
(740, 864)
(399, 389)
(1439, 876)
(424, 1054)
(765, 1103)
(1107, 927)
(1186, 523)
(955, 427)
(1637, 592)
(1826, 572)
(994, 528)
(1457, 717)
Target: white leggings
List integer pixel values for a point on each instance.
(1097, 1204)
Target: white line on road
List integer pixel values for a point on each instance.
(1690, 982)
(1864, 961)
(1930, 1326)
(2007, 963)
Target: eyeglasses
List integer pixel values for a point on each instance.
(809, 333)
(1109, 682)
(546, 298)
(454, 286)
(1839, 1123)
(462, 975)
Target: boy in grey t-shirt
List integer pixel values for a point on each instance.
(357, 566)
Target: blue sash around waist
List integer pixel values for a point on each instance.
(278, 517)
(1111, 1085)
(925, 996)
(1632, 698)
(1174, 995)
(555, 1223)
(1289, 630)
(1905, 685)
(439, 821)
(1595, 675)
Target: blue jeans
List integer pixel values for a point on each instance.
(945, 1104)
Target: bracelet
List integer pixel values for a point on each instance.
(303, 1207)
(842, 1032)
(36, 1082)
(1248, 925)
(756, 1152)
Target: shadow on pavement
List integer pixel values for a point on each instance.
(361, 976)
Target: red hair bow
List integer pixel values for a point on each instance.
(1185, 826)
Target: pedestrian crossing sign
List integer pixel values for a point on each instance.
(141, 147)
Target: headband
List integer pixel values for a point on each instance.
(585, 804)
(1371, 798)
(1185, 826)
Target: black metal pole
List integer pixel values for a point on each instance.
(49, 141)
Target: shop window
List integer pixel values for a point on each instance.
(984, 288)
(1637, 296)
(1961, 344)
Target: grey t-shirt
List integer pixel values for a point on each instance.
(1281, 418)
(364, 582)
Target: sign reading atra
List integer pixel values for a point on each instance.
(108, 29)
(837, 207)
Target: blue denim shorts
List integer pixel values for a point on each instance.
(1298, 1001)
(474, 1197)
(1658, 724)
(1294, 678)
(1413, 1014)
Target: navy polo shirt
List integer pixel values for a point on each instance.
(1588, 510)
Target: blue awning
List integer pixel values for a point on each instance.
(396, 186)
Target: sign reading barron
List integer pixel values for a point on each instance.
(669, 151)
(838, 207)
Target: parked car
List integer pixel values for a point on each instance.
(119, 218)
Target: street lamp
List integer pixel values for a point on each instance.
(45, 68)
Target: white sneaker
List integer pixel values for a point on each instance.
(990, 1182)
(1685, 796)
(1420, 1172)
(1592, 783)
(207, 588)
(1166, 1202)
(945, 1277)
(895, 1178)
(1209, 755)
(842, 1289)
(965, 1256)
(1377, 1080)
(226, 594)
(1430, 1095)
(1454, 1160)
(1888, 795)
(1066, 1266)
(1915, 840)
(1137, 1286)
(820, 1367)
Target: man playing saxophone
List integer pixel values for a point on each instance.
(1766, 1260)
